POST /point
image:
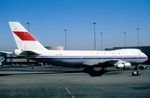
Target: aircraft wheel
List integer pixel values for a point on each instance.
(136, 73)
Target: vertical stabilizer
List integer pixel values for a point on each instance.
(24, 40)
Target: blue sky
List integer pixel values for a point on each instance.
(49, 18)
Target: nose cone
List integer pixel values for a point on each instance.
(145, 57)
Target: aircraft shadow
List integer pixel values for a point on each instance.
(91, 73)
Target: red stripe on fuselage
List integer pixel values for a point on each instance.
(25, 36)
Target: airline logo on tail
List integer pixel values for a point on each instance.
(24, 40)
(25, 36)
(21, 32)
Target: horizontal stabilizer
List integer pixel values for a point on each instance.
(28, 53)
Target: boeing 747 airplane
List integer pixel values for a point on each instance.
(31, 48)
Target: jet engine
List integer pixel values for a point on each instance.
(123, 65)
(17, 52)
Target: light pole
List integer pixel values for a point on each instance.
(101, 40)
(28, 24)
(125, 38)
(94, 23)
(138, 36)
(65, 38)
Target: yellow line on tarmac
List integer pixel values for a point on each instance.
(69, 92)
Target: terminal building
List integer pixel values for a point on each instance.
(8, 58)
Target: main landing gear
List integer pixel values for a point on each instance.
(137, 71)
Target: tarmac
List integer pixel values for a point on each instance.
(59, 82)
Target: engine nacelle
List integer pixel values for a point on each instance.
(123, 65)
(17, 52)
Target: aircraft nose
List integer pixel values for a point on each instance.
(145, 56)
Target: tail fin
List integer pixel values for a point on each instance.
(24, 40)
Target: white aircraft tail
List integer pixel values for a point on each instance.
(24, 40)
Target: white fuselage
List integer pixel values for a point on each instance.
(91, 58)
